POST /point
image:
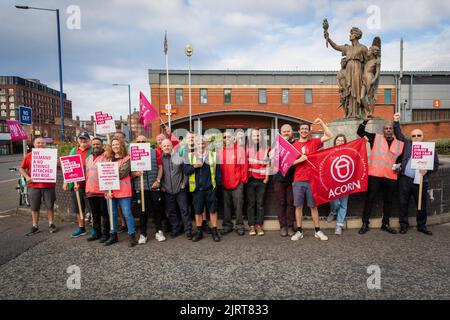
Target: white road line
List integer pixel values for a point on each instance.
(4, 181)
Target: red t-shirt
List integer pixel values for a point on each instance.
(308, 147)
(26, 164)
(159, 154)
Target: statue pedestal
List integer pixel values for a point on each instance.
(349, 126)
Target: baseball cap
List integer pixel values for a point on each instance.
(84, 135)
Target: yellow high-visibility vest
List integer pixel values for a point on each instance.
(212, 168)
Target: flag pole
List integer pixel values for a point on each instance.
(167, 76)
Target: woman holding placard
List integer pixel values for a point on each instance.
(117, 151)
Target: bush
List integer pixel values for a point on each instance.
(443, 146)
(64, 148)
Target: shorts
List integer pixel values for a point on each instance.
(74, 203)
(302, 190)
(37, 194)
(204, 198)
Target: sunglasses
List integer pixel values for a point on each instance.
(416, 135)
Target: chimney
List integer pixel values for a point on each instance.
(92, 118)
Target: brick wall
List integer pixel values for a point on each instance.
(431, 129)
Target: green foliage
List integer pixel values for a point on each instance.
(64, 148)
(443, 146)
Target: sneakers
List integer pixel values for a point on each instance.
(290, 232)
(338, 230)
(142, 239)
(160, 236)
(297, 236)
(52, 228)
(78, 233)
(320, 235)
(259, 230)
(33, 230)
(252, 231)
(331, 217)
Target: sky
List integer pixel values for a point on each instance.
(117, 41)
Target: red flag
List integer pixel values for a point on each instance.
(16, 130)
(166, 46)
(146, 111)
(338, 171)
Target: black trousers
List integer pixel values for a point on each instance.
(233, 199)
(407, 189)
(153, 207)
(388, 187)
(100, 218)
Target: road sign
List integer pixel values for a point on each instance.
(168, 107)
(437, 103)
(25, 115)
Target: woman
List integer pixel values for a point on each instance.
(338, 206)
(117, 152)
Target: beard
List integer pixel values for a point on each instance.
(97, 150)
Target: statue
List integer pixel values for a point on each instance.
(357, 82)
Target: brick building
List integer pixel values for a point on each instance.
(44, 101)
(267, 99)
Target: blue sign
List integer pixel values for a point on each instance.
(25, 115)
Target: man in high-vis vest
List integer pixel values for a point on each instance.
(204, 174)
(258, 178)
(84, 149)
(96, 197)
(385, 154)
(407, 187)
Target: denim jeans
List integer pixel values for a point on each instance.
(339, 208)
(125, 205)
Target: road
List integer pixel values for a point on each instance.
(412, 266)
(8, 182)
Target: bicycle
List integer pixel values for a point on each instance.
(22, 189)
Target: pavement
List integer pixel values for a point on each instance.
(412, 266)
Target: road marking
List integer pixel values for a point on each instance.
(5, 216)
(4, 181)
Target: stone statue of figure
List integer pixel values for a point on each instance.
(355, 55)
(343, 89)
(371, 76)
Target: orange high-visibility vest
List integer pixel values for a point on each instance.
(382, 158)
(92, 185)
(257, 163)
(125, 184)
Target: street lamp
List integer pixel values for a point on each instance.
(188, 50)
(129, 105)
(61, 95)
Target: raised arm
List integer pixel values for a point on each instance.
(334, 45)
(397, 129)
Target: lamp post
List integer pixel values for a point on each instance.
(129, 106)
(188, 50)
(61, 94)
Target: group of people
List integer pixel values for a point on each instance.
(182, 187)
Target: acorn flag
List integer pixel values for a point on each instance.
(146, 111)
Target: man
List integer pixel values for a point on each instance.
(84, 150)
(283, 191)
(173, 184)
(407, 187)
(234, 166)
(204, 174)
(96, 197)
(152, 195)
(301, 187)
(385, 152)
(38, 191)
(258, 177)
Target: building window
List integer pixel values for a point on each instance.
(387, 96)
(11, 106)
(203, 96)
(308, 96)
(2, 99)
(178, 96)
(262, 96)
(2, 91)
(430, 114)
(3, 106)
(285, 96)
(227, 96)
(11, 92)
(12, 113)
(3, 113)
(11, 98)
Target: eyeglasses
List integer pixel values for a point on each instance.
(416, 135)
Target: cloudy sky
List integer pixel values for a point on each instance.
(119, 40)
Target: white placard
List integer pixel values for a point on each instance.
(108, 176)
(104, 123)
(43, 165)
(140, 156)
(422, 155)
